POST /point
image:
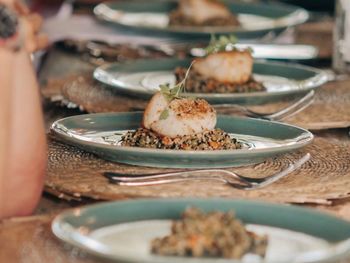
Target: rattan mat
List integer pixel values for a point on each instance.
(326, 177)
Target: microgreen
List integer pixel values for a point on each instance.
(171, 93)
(164, 115)
(222, 43)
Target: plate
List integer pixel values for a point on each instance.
(99, 133)
(257, 19)
(122, 231)
(143, 77)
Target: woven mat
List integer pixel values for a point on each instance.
(325, 178)
(331, 108)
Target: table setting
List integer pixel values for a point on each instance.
(178, 135)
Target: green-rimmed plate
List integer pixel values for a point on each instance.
(101, 133)
(257, 19)
(122, 231)
(142, 78)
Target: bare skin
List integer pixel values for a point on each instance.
(22, 134)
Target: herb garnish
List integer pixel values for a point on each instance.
(174, 92)
(164, 115)
(222, 43)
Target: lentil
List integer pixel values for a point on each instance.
(215, 234)
(197, 83)
(208, 140)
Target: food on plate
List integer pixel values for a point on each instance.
(208, 140)
(100, 52)
(225, 69)
(171, 121)
(178, 117)
(214, 234)
(202, 13)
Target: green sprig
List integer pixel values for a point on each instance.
(171, 93)
(164, 115)
(223, 43)
(220, 43)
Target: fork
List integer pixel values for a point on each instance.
(289, 111)
(231, 178)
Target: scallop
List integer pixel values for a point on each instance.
(203, 10)
(228, 67)
(184, 116)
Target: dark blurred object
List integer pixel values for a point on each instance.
(341, 54)
(319, 34)
(88, 2)
(45, 7)
(313, 5)
(99, 52)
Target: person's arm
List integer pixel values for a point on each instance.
(22, 137)
(25, 147)
(5, 120)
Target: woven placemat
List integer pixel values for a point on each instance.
(94, 97)
(324, 178)
(331, 108)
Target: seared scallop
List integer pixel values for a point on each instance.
(228, 67)
(203, 10)
(179, 117)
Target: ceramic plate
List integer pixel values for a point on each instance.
(100, 134)
(122, 231)
(257, 19)
(142, 78)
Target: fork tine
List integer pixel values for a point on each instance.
(289, 111)
(293, 109)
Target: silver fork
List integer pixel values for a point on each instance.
(231, 178)
(289, 111)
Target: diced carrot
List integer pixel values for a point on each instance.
(215, 145)
(193, 240)
(166, 140)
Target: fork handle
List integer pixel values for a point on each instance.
(168, 180)
(172, 176)
(183, 173)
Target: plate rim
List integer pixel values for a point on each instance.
(320, 78)
(306, 139)
(340, 250)
(298, 16)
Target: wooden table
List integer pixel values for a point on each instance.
(29, 239)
